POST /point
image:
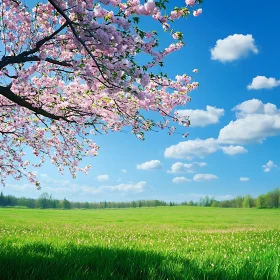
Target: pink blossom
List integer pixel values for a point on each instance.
(76, 90)
(197, 12)
(166, 26)
(99, 11)
(150, 6)
(190, 2)
(175, 36)
(140, 136)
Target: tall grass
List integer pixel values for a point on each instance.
(158, 243)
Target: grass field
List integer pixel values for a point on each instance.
(145, 243)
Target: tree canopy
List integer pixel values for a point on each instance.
(70, 69)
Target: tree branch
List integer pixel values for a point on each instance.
(6, 92)
(69, 22)
(6, 60)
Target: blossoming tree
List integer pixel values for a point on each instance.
(69, 69)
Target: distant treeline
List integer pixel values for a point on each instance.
(45, 200)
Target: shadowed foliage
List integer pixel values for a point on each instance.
(44, 261)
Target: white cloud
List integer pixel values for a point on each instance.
(233, 150)
(59, 188)
(262, 82)
(203, 118)
(102, 178)
(179, 180)
(180, 167)
(199, 148)
(191, 148)
(255, 106)
(233, 48)
(124, 171)
(131, 187)
(244, 179)
(73, 191)
(150, 165)
(267, 167)
(255, 122)
(205, 177)
(22, 188)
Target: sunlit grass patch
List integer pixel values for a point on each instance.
(158, 243)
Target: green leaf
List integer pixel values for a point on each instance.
(136, 19)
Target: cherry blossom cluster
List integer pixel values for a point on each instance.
(69, 70)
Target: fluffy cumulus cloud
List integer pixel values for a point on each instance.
(262, 82)
(205, 177)
(255, 121)
(180, 167)
(124, 171)
(192, 148)
(130, 187)
(150, 165)
(267, 167)
(199, 148)
(102, 178)
(254, 106)
(244, 179)
(203, 118)
(233, 150)
(233, 48)
(179, 180)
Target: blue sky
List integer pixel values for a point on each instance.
(233, 145)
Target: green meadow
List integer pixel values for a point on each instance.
(140, 243)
